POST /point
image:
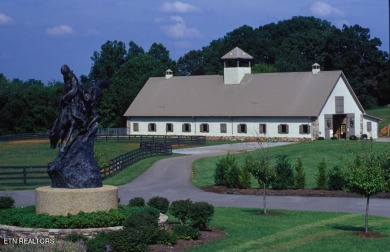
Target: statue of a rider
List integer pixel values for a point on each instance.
(72, 100)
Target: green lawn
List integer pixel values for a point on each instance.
(311, 153)
(39, 152)
(295, 231)
(383, 113)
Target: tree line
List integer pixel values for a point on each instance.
(289, 45)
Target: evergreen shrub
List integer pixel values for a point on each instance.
(159, 203)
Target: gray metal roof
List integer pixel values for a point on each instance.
(265, 94)
(237, 53)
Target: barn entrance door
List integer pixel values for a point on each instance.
(340, 126)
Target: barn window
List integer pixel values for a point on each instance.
(304, 129)
(241, 128)
(204, 127)
(135, 127)
(152, 127)
(223, 128)
(169, 127)
(186, 127)
(263, 128)
(369, 126)
(283, 129)
(339, 104)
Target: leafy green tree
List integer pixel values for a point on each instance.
(299, 178)
(263, 172)
(263, 68)
(108, 61)
(366, 177)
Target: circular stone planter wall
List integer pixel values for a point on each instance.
(62, 201)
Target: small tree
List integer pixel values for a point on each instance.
(322, 177)
(366, 177)
(336, 179)
(246, 176)
(223, 167)
(284, 173)
(263, 172)
(299, 179)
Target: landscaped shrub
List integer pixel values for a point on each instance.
(130, 239)
(137, 202)
(322, 175)
(141, 219)
(246, 176)
(284, 173)
(352, 137)
(233, 177)
(180, 209)
(98, 243)
(200, 214)
(334, 138)
(27, 217)
(299, 178)
(320, 138)
(336, 180)
(363, 137)
(185, 232)
(159, 203)
(6, 202)
(223, 166)
(164, 237)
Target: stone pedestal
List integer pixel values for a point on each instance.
(61, 201)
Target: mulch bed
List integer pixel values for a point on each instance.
(205, 237)
(291, 192)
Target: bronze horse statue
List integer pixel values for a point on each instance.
(77, 106)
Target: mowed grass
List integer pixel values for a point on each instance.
(382, 113)
(335, 152)
(38, 152)
(295, 231)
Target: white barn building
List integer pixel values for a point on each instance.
(288, 106)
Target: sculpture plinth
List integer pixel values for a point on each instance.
(62, 201)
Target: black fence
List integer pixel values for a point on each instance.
(119, 135)
(25, 136)
(37, 175)
(172, 140)
(23, 175)
(146, 150)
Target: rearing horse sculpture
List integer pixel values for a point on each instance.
(76, 107)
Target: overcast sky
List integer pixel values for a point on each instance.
(38, 36)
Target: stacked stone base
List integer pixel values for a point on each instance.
(63, 201)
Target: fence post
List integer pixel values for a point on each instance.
(24, 175)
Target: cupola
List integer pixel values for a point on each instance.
(168, 74)
(315, 68)
(236, 64)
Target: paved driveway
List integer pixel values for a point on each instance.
(170, 178)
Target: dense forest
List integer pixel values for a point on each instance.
(289, 45)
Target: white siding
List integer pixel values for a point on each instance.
(214, 125)
(374, 127)
(350, 107)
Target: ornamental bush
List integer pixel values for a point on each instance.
(159, 203)
(336, 179)
(284, 173)
(200, 214)
(185, 232)
(131, 239)
(6, 202)
(299, 178)
(223, 166)
(136, 202)
(180, 209)
(322, 177)
(98, 243)
(141, 219)
(164, 237)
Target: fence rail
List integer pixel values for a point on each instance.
(37, 175)
(24, 175)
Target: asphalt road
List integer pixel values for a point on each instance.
(170, 178)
